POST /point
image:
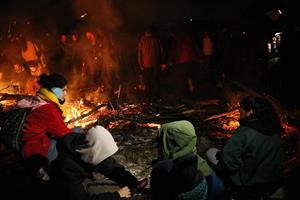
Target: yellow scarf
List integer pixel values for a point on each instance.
(50, 96)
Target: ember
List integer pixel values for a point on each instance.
(151, 125)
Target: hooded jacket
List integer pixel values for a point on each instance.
(253, 156)
(178, 179)
(79, 156)
(179, 138)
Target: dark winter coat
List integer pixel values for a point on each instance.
(68, 172)
(253, 157)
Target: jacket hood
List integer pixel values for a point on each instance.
(177, 138)
(92, 147)
(100, 145)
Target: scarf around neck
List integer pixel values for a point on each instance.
(50, 96)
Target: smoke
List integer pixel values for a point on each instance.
(92, 60)
(98, 13)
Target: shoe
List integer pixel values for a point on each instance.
(140, 186)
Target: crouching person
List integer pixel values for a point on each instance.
(251, 161)
(43, 125)
(175, 139)
(179, 172)
(82, 154)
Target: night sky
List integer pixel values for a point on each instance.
(143, 10)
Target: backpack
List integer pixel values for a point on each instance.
(11, 125)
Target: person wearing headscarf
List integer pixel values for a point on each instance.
(82, 154)
(44, 124)
(251, 162)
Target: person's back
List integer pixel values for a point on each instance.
(262, 158)
(149, 60)
(149, 51)
(178, 179)
(82, 154)
(252, 159)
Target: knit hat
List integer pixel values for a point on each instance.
(100, 145)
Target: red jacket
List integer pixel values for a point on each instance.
(149, 51)
(40, 125)
(184, 49)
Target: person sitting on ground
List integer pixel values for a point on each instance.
(177, 153)
(178, 179)
(82, 154)
(176, 139)
(251, 162)
(44, 124)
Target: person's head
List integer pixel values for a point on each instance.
(177, 138)
(55, 83)
(262, 111)
(257, 107)
(92, 147)
(99, 145)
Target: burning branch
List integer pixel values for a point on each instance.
(231, 114)
(6, 96)
(86, 114)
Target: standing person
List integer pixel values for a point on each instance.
(185, 57)
(207, 81)
(149, 60)
(251, 162)
(82, 154)
(44, 124)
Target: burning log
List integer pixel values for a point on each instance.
(231, 114)
(7, 96)
(86, 114)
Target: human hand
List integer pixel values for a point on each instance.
(124, 192)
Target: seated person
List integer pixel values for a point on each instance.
(180, 179)
(251, 162)
(82, 154)
(44, 124)
(178, 138)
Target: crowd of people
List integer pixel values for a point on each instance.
(250, 165)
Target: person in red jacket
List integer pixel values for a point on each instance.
(150, 60)
(44, 124)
